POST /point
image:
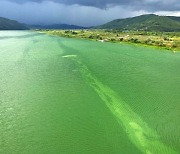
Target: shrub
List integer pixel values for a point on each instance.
(74, 33)
(166, 38)
(148, 41)
(121, 39)
(160, 43)
(174, 45)
(66, 31)
(100, 38)
(112, 39)
(133, 40)
(136, 40)
(91, 36)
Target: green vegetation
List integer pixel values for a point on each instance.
(167, 40)
(148, 22)
(7, 24)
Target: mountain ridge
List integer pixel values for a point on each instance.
(147, 22)
(8, 24)
(56, 26)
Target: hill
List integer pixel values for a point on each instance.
(56, 26)
(7, 24)
(149, 22)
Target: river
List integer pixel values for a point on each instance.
(71, 96)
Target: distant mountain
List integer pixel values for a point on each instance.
(56, 26)
(7, 24)
(149, 22)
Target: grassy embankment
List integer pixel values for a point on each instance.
(170, 41)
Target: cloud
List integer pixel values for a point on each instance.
(158, 5)
(49, 12)
(79, 12)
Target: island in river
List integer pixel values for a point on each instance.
(165, 40)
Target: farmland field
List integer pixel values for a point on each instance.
(71, 96)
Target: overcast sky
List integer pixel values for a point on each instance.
(83, 12)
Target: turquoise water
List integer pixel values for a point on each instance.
(60, 95)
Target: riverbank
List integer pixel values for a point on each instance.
(170, 41)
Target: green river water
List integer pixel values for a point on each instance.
(70, 96)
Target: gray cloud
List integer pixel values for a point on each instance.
(82, 12)
(155, 5)
(51, 13)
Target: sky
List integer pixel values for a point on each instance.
(83, 12)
